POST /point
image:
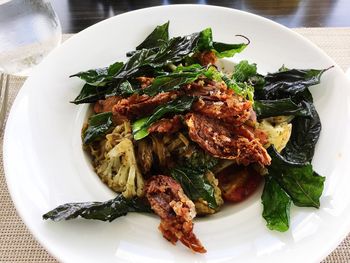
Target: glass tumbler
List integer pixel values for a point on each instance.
(29, 30)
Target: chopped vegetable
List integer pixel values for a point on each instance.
(120, 171)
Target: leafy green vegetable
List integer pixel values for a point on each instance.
(221, 50)
(154, 53)
(194, 184)
(179, 105)
(90, 94)
(243, 71)
(276, 203)
(159, 36)
(99, 125)
(242, 79)
(287, 83)
(305, 134)
(301, 183)
(200, 161)
(171, 82)
(104, 211)
(100, 76)
(190, 173)
(137, 65)
(125, 89)
(271, 108)
(190, 68)
(231, 84)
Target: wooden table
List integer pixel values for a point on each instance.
(75, 15)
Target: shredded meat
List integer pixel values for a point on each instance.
(234, 143)
(137, 106)
(107, 104)
(166, 125)
(219, 102)
(175, 209)
(206, 88)
(206, 57)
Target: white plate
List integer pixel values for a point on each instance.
(45, 165)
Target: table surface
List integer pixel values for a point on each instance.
(76, 15)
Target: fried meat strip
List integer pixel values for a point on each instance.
(175, 209)
(137, 106)
(220, 140)
(107, 104)
(166, 125)
(219, 102)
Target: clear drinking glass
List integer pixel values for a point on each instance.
(29, 30)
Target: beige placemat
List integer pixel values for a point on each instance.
(18, 245)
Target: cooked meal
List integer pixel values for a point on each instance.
(174, 134)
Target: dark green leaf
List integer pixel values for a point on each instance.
(200, 161)
(125, 89)
(190, 173)
(223, 50)
(276, 203)
(137, 64)
(195, 185)
(100, 76)
(172, 81)
(140, 127)
(271, 108)
(205, 41)
(175, 50)
(105, 211)
(90, 94)
(288, 83)
(158, 36)
(305, 134)
(98, 125)
(301, 183)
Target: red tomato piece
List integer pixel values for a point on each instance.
(238, 182)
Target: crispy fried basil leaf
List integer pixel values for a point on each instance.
(104, 211)
(302, 184)
(224, 50)
(170, 82)
(159, 36)
(271, 108)
(194, 184)
(221, 50)
(200, 161)
(99, 76)
(288, 83)
(305, 134)
(190, 173)
(140, 127)
(276, 203)
(98, 125)
(90, 94)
